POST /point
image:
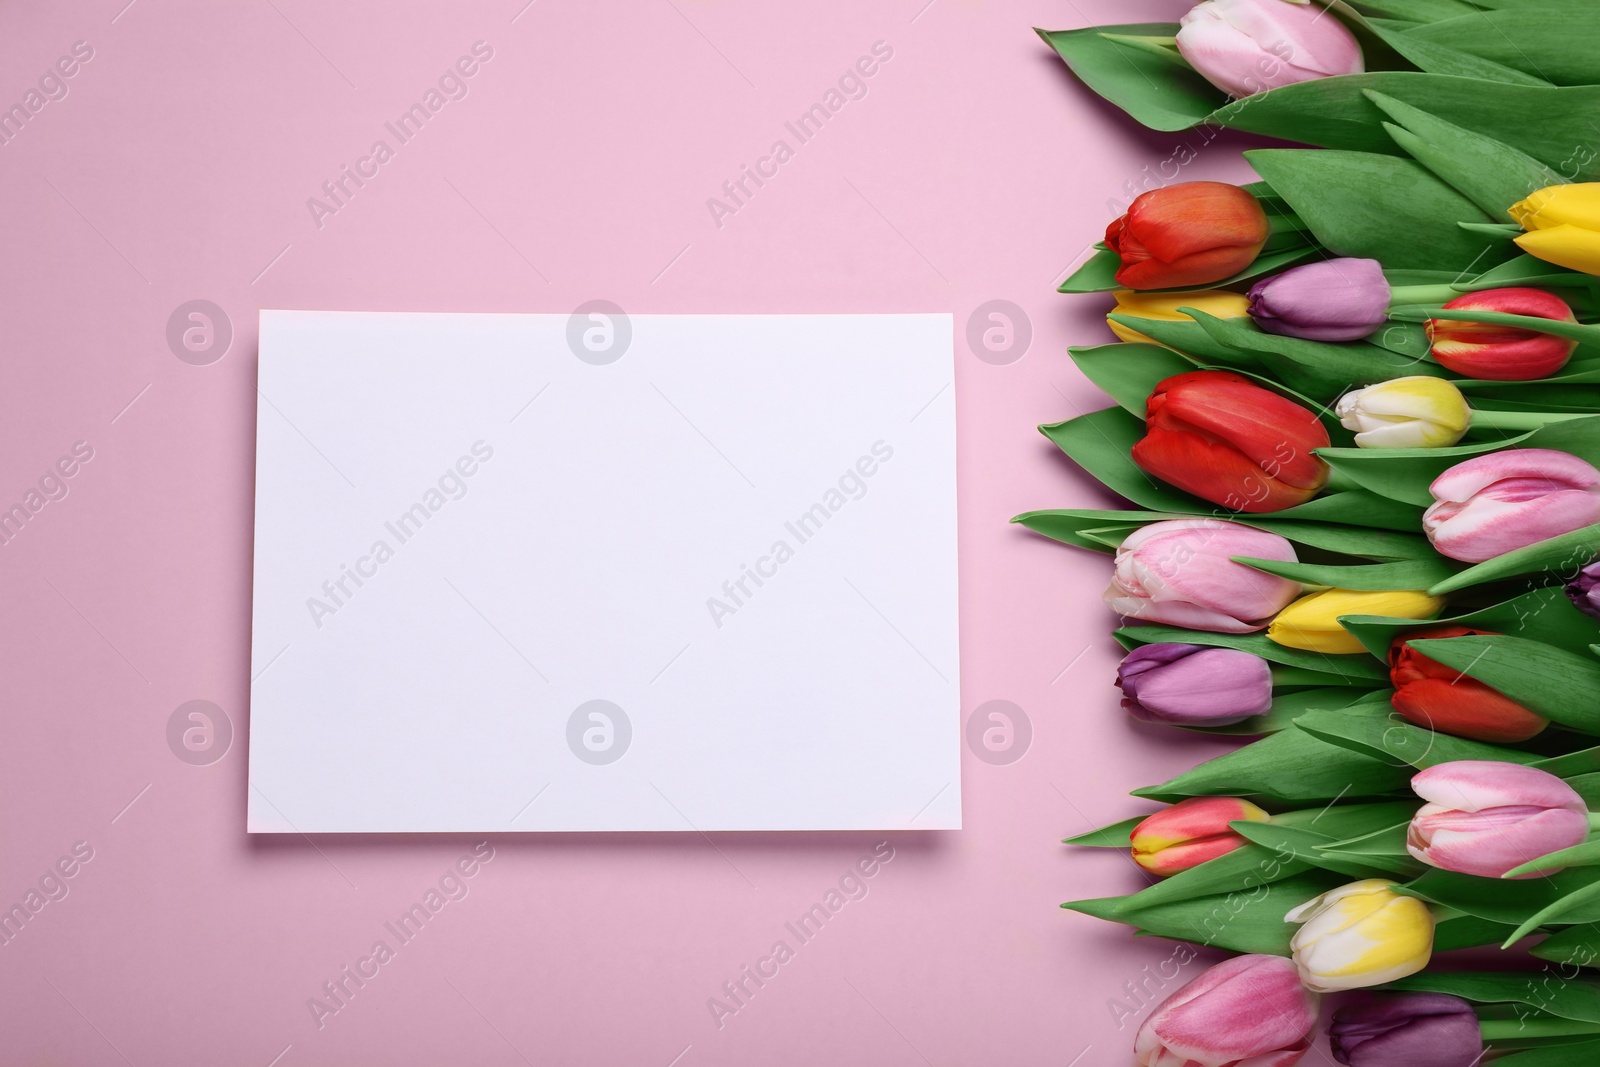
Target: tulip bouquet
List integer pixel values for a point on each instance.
(1356, 418)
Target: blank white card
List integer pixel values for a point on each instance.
(594, 572)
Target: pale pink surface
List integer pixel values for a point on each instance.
(178, 167)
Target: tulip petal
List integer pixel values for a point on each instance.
(1277, 435)
(1473, 785)
(1242, 1008)
(1567, 246)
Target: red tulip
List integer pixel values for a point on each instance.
(1227, 440)
(1191, 832)
(1430, 694)
(1503, 353)
(1187, 235)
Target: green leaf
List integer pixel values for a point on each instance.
(1352, 670)
(1245, 868)
(1490, 174)
(1115, 835)
(1544, 615)
(1299, 843)
(1569, 997)
(1377, 731)
(1379, 207)
(1501, 900)
(1343, 823)
(1584, 855)
(1438, 58)
(1096, 275)
(1573, 766)
(1291, 765)
(1074, 527)
(1333, 367)
(1388, 841)
(1287, 707)
(1147, 86)
(1401, 574)
(1526, 270)
(1413, 10)
(1100, 442)
(1580, 904)
(1579, 944)
(1240, 922)
(1129, 372)
(1540, 39)
(1404, 474)
(1334, 113)
(1566, 1054)
(1541, 678)
(1563, 553)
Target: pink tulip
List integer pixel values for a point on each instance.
(1250, 1011)
(1485, 817)
(1247, 46)
(1502, 501)
(1179, 572)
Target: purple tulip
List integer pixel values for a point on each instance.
(1584, 590)
(1190, 685)
(1334, 300)
(1407, 1030)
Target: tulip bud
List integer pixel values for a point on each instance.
(1413, 412)
(1584, 590)
(1503, 353)
(1563, 224)
(1407, 1030)
(1190, 832)
(1227, 440)
(1186, 235)
(1312, 622)
(1501, 501)
(1249, 46)
(1486, 817)
(1432, 695)
(1245, 1010)
(1358, 935)
(1179, 572)
(1163, 307)
(1190, 685)
(1331, 300)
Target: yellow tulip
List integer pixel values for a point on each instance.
(1163, 307)
(1413, 412)
(1563, 225)
(1312, 622)
(1358, 935)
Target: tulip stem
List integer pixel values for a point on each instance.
(1520, 420)
(1511, 1029)
(1402, 295)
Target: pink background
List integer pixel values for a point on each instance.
(578, 167)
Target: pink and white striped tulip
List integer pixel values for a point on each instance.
(1250, 1011)
(1179, 572)
(1485, 817)
(1495, 503)
(1247, 46)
